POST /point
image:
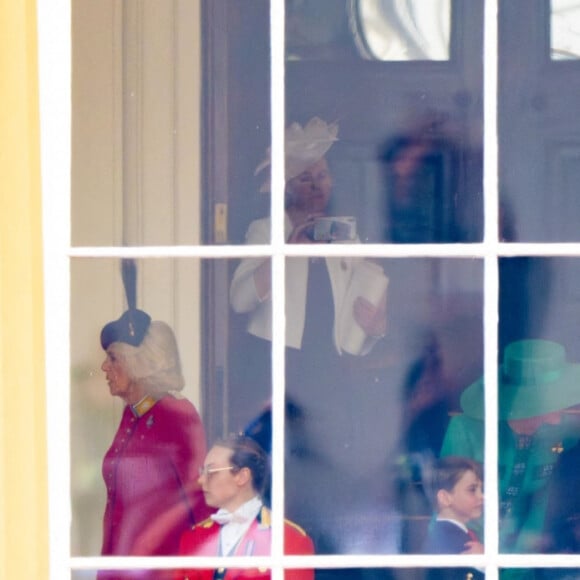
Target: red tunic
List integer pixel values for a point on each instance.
(151, 472)
(203, 540)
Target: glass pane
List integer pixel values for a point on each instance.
(237, 103)
(366, 410)
(148, 398)
(409, 150)
(391, 30)
(170, 119)
(538, 405)
(538, 127)
(405, 158)
(385, 30)
(565, 29)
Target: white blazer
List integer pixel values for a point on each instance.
(244, 297)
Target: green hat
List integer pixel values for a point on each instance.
(534, 379)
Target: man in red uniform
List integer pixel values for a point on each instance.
(232, 479)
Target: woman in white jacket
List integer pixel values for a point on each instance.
(328, 325)
(308, 193)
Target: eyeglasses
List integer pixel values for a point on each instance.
(207, 470)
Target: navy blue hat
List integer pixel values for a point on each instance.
(130, 328)
(133, 324)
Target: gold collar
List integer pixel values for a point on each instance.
(140, 408)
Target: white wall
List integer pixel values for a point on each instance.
(135, 181)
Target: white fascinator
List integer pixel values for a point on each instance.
(303, 146)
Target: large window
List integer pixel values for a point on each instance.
(359, 221)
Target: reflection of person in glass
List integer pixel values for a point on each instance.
(150, 468)
(422, 171)
(233, 478)
(332, 317)
(536, 385)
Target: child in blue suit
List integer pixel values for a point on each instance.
(457, 495)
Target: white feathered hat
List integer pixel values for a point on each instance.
(303, 146)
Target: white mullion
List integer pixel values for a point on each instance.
(336, 250)
(331, 561)
(278, 240)
(491, 504)
(291, 562)
(54, 58)
(491, 286)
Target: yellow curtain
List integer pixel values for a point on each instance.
(23, 477)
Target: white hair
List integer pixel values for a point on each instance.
(155, 363)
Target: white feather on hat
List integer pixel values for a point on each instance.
(303, 147)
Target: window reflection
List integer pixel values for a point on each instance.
(417, 183)
(395, 30)
(362, 425)
(565, 29)
(318, 29)
(424, 183)
(382, 30)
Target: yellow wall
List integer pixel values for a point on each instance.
(23, 478)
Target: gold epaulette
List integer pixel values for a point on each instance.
(295, 526)
(265, 517)
(266, 521)
(207, 523)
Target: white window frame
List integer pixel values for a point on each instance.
(54, 41)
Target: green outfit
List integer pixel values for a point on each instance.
(525, 467)
(534, 379)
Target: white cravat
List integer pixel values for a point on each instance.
(458, 524)
(235, 525)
